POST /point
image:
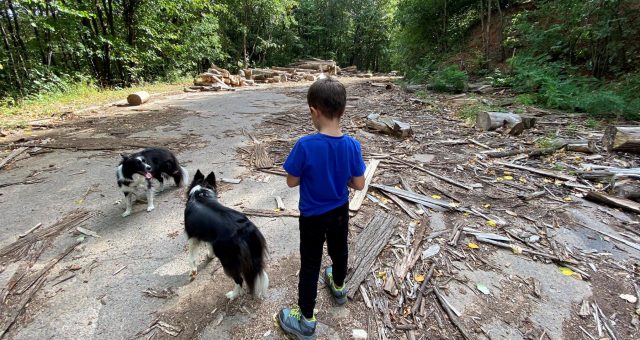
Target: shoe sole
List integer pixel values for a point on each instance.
(289, 333)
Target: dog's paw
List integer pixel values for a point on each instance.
(237, 291)
(126, 213)
(150, 208)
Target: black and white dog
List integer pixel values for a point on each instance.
(228, 234)
(136, 173)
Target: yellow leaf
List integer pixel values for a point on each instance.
(454, 204)
(516, 249)
(492, 223)
(436, 197)
(419, 278)
(487, 206)
(507, 173)
(473, 245)
(546, 180)
(382, 275)
(522, 180)
(276, 209)
(508, 178)
(567, 199)
(499, 179)
(566, 271)
(466, 214)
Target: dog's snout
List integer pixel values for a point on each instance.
(147, 167)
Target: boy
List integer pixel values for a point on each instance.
(324, 164)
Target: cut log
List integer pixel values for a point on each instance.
(388, 125)
(366, 247)
(626, 188)
(138, 98)
(622, 203)
(622, 138)
(583, 146)
(607, 174)
(489, 121)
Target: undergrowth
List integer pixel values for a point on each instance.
(71, 97)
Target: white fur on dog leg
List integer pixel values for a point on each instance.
(150, 194)
(237, 291)
(128, 201)
(161, 188)
(192, 245)
(210, 253)
(261, 285)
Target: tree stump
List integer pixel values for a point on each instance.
(622, 138)
(138, 98)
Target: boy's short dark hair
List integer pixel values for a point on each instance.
(328, 96)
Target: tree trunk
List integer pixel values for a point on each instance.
(14, 67)
(622, 138)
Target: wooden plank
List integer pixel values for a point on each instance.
(404, 206)
(366, 247)
(618, 202)
(360, 195)
(538, 171)
(15, 153)
(416, 198)
(271, 213)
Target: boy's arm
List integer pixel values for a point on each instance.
(293, 181)
(355, 182)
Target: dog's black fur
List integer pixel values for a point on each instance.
(137, 170)
(230, 235)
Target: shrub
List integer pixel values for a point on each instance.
(450, 79)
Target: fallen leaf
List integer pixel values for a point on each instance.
(492, 223)
(546, 180)
(522, 180)
(567, 199)
(483, 289)
(508, 178)
(382, 275)
(566, 271)
(436, 197)
(499, 178)
(516, 249)
(454, 205)
(473, 245)
(508, 173)
(487, 206)
(629, 298)
(419, 278)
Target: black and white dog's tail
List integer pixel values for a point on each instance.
(184, 177)
(253, 248)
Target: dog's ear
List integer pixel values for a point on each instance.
(211, 179)
(124, 156)
(198, 175)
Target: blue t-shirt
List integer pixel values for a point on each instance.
(325, 165)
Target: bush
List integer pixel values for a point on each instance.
(450, 79)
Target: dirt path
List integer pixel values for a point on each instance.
(96, 291)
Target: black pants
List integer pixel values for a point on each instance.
(334, 227)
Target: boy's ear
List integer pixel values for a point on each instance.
(198, 175)
(211, 179)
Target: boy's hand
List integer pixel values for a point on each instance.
(293, 181)
(356, 183)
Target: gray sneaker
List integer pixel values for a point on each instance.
(295, 324)
(339, 294)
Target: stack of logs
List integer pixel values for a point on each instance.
(217, 78)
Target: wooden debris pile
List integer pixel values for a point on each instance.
(216, 78)
(440, 202)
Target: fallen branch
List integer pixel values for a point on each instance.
(15, 153)
(539, 171)
(429, 172)
(614, 201)
(454, 320)
(271, 213)
(416, 198)
(629, 243)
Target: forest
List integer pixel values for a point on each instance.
(574, 55)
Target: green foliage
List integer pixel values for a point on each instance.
(450, 79)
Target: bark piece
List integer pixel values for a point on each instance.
(360, 195)
(366, 247)
(513, 123)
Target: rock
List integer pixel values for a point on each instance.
(359, 334)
